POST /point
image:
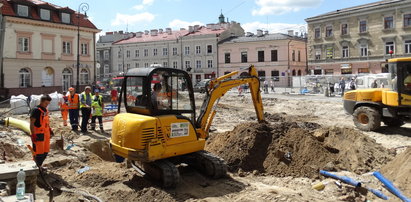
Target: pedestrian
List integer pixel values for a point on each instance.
(40, 130)
(73, 106)
(240, 89)
(374, 84)
(85, 107)
(272, 86)
(64, 108)
(342, 86)
(97, 106)
(114, 95)
(265, 86)
(352, 84)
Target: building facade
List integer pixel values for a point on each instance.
(105, 70)
(360, 39)
(193, 49)
(41, 53)
(275, 56)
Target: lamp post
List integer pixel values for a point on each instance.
(83, 7)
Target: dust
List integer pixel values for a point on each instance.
(399, 171)
(298, 149)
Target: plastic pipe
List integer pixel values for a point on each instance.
(344, 179)
(16, 123)
(388, 185)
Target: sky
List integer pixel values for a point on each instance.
(140, 15)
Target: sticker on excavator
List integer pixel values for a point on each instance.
(179, 130)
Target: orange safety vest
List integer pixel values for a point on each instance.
(73, 102)
(41, 136)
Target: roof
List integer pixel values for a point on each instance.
(359, 8)
(265, 37)
(7, 10)
(407, 59)
(147, 71)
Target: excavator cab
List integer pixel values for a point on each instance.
(400, 70)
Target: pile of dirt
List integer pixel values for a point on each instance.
(298, 149)
(399, 171)
(12, 152)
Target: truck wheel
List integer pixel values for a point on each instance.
(393, 122)
(367, 118)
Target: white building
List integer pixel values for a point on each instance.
(40, 47)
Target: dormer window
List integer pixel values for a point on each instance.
(22, 10)
(44, 14)
(65, 18)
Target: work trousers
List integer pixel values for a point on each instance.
(64, 114)
(85, 113)
(41, 147)
(93, 122)
(74, 114)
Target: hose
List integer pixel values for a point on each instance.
(388, 185)
(83, 193)
(16, 123)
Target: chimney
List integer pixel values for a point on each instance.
(153, 32)
(168, 30)
(291, 32)
(196, 28)
(139, 34)
(266, 32)
(146, 32)
(160, 31)
(190, 29)
(259, 32)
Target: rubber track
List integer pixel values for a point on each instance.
(170, 174)
(216, 164)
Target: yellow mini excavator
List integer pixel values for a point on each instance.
(160, 129)
(392, 106)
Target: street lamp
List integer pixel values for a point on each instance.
(83, 7)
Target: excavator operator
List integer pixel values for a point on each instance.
(407, 80)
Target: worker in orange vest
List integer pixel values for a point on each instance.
(73, 106)
(64, 108)
(40, 130)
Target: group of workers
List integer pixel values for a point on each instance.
(71, 104)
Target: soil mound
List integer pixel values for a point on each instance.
(298, 149)
(399, 171)
(13, 152)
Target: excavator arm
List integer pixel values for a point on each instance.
(218, 87)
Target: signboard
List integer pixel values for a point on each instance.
(330, 52)
(179, 130)
(345, 66)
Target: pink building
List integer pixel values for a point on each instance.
(276, 56)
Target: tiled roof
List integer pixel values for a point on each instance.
(265, 37)
(383, 3)
(8, 10)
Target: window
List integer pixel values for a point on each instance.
(120, 68)
(407, 49)
(198, 64)
(210, 63)
(155, 52)
(47, 77)
(136, 65)
(165, 51)
(22, 10)
(227, 58)
(128, 66)
(174, 51)
(128, 54)
(243, 57)
(344, 29)
(24, 78)
(363, 50)
(363, 26)
(274, 55)
(299, 56)
(145, 52)
(137, 53)
(145, 65)
(165, 64)
(318, 54)
(330, 52)
(260, 56)
(209, 48)
(84, 76)
(84, 49)
(65, 18)
(106, 55)
(119, 54)
(186, 50)
(317, 33)
(198, 49)
(44, 14)
(329, 31)
(345, 52)
(388, 22)
(261, 74)
(66, 47)
(275, 75)
(23, 43)
(175, 64)
(407, 20)
(389, 46)
(106, 69)
(293, 55)
(187, 64)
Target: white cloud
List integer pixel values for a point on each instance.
(123, 19)
(273, 27)
(177, 24)
(275, 7)
(144, 4)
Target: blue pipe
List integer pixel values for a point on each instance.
(388, 185)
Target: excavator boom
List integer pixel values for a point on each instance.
(218, 87)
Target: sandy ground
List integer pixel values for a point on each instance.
(115, 182)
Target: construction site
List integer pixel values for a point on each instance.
(276, 160)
